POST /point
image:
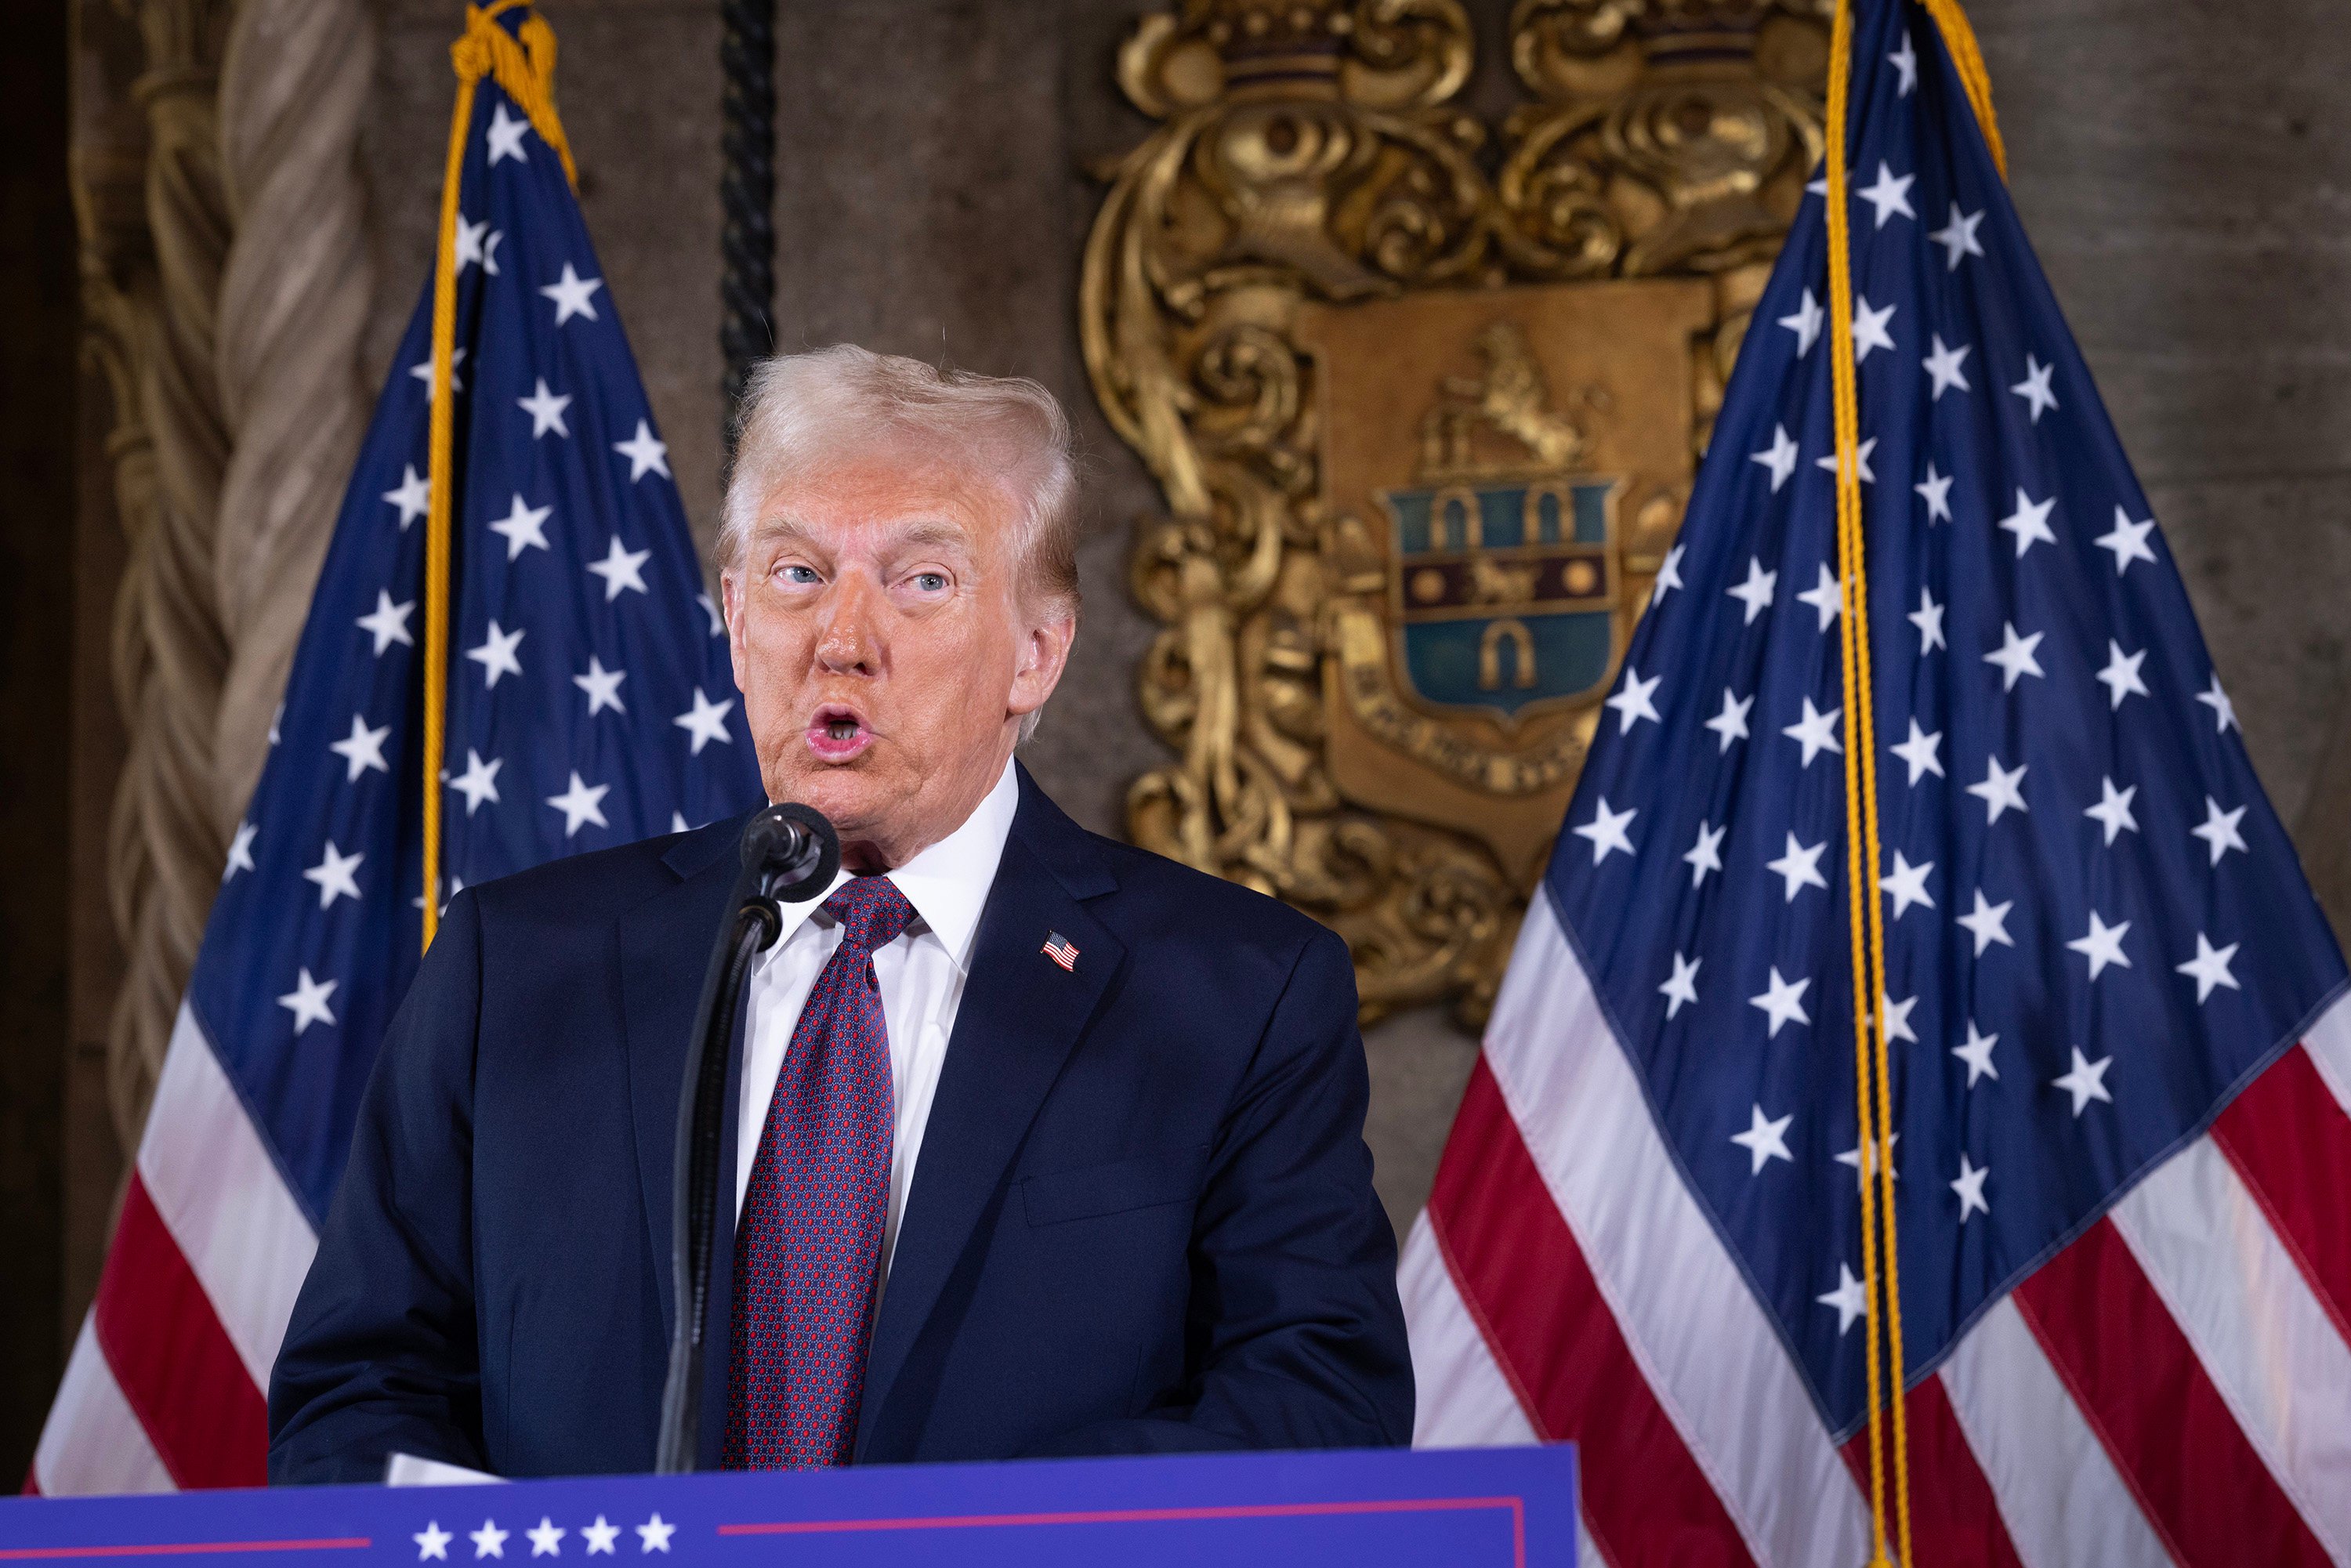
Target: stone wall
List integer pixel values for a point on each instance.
(2185, 172)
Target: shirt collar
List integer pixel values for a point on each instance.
(948, 883)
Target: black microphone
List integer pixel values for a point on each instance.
(790, 853)
(793, 850)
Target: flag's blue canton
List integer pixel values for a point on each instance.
(2097, 930)
(590, 700)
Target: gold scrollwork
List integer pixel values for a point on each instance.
(1312, 152)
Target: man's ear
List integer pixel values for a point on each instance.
(1044, 654)
(730, 599)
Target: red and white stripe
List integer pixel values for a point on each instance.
(2174, 1387)
(168, 1383)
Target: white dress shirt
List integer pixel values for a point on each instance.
(922, 973)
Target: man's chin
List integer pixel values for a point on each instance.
(851, 794)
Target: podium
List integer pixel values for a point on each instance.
(1466, 1508)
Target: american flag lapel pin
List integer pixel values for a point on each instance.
(1062, 950)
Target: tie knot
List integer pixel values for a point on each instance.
(873, 911)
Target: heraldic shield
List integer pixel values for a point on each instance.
(1423, 396)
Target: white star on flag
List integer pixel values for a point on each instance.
(1943, 366)
(1606, 830)
(489, 1541)
(524, 526)
(1958, 237)
(547, 1541)
(546, 411)
(1730, 723)
(2127, 540)
(361, 749)
(1928, 619)
(1805, 324)
(2030, 522)
(580, 803)
(2210, 967)
(599, 1536)
(479, 781)
(433, 1542)
(1815, 732)
(414, 496)
(2121, 673)
(2034, 388)
(645, 454)
(1766, 1139)
(1999, 790)
(1800, 868)
(388, 622)
(1890, 195)
(706, 721)
(2219, 830)
(1977, 1054)
(1935, 489)
(1905, 61)
(497, 654)
(2224, 712)
(1869, 328)
(1669, 575)
(1988, 923)
(471, 249)
(1907, 886)
(1850, 1302)
(2113, 811)
(1779, 457)
(1631, 699)
(620, 568)
(655, 1533)
(308, 1002)
(2085, 1083)
(333, 875)
(1706, 854)
(2102, 944)
(1826, 597)
(1919, 753)
(602, 686)
(1756, 591)
(1969, 1186)
(1852, 1159)
(2014, 656)
(1680, 988)
(504, 136)
(240, 851)
(572, 295)
(422, 372)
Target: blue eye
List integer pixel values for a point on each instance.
(930, 581)
(800, 574)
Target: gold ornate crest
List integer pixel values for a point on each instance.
(1424, 404)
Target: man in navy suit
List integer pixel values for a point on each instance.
(1043, 1145)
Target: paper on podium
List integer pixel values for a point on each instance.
(408, 1471)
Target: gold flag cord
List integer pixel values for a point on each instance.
(1880, 1262)
(524, 69)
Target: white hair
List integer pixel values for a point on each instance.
(798, 408)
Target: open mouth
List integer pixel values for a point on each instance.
(838, 733)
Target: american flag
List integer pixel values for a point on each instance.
(590, 703)
(2121, 1061)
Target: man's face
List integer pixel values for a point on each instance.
(885, 646)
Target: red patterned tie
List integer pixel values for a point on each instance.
(809, 1242)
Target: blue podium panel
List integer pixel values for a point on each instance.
(1492, 1507)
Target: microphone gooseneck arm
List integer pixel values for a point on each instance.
(790, 853)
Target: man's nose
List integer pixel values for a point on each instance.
(851, 642)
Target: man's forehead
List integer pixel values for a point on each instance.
(884, 498)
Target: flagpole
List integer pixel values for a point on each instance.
(746, 196)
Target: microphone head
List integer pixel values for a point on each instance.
(795, 848)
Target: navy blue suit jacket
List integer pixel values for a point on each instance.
(1142, 1217)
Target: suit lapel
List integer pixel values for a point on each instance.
(1020, 1015)
(664, 945)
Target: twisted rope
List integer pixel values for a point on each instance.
(746, 193)
(293, 306)
(170, 649)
